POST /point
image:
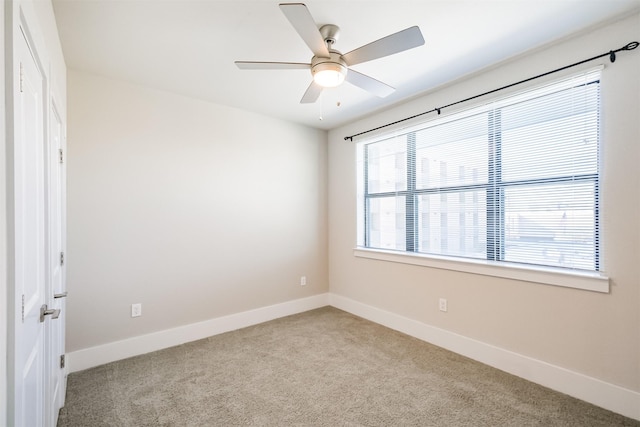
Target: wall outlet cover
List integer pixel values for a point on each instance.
(136, 310)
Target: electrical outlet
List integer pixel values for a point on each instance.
(303, 280)
(442, 304)
(136, 310)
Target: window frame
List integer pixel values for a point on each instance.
(493, 265)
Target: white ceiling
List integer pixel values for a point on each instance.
(189, 46)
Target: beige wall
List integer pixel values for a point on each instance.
(194, 210)
(591, 333)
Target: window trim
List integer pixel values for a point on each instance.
(586, 280)
(595, 281)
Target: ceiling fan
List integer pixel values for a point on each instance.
(328, 66)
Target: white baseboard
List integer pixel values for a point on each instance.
(589, 389)
(118, 350)
(609, 396)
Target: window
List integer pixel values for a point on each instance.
(513, 181)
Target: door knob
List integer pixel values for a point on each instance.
(45, 311)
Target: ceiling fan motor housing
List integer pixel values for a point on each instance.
(329, 72)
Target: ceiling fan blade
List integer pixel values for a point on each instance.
(369, 84)
(394, 43)
(302, 21)
(254, 65)
(312, 94)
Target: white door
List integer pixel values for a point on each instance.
(29, 199)
(57, 289)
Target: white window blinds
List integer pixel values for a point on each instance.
(515, 180)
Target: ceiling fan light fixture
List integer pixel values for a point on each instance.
(329, 74)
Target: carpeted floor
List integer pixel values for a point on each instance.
(320, 368)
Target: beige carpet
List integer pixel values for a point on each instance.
(320, 368)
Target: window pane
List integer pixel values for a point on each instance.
(551, 136)
(387, 165)
(453, 223)
(453, 153)
(387, 223)
(551, 225)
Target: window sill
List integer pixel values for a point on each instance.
(595, 282)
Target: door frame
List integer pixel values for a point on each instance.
(4, 303)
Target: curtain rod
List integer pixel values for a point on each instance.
(612, 58)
